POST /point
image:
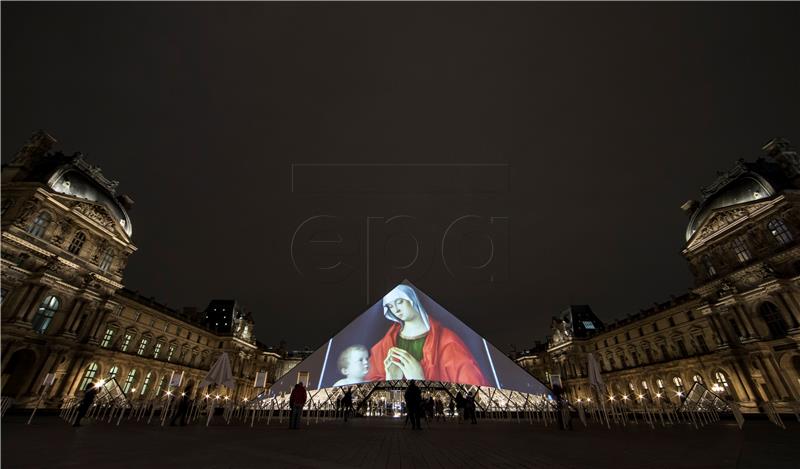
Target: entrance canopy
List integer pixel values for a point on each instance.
(406, 335)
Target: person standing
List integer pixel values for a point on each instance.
(347, 403)
(470, 406)
(413, 398)
(296, 401)
(461, 405)
(183, 407)
(88, 399)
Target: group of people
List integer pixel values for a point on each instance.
(466, 406)
(299, 396)
(418, 407)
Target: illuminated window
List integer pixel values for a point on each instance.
(740, 249)
(779, 231)
(161, 383)
(106, 258)
(130, 381)
(126, 341)
(146, 382)
(88, 376)
(157, 350)
(678, 382)
(112, 373)
(660, 384)
(40, 224)
(107, 338)
(697, 379)
(644, 385)
(77, 243)
(142, 347)
(47, 309)
(170, 352)
(588, 324)
(722, 382)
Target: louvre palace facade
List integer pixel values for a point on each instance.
(66, 239)
(737, 331)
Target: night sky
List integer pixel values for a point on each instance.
(581, 128)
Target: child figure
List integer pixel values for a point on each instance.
(353, 364)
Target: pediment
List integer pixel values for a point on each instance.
(723, 218)
(95, 212)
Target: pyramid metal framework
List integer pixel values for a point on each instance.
(499, 384)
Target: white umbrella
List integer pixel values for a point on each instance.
(595, 378)
(220, 373)
(596, 382)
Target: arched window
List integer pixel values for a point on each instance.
(660, 384)
(48, 308)
(697, 379)
(88, 376)
(779, 231)
(721, 385)
(644, 385)
(40, 224)
(678, 382)
(161, 384)
(77, 243)
(112, 373)
(130, 381)
(146, 382)
(106, 258)
(770, 314)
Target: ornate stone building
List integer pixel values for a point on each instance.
(66, 238)
(737, 331)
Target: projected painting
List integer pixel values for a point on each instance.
(407, 335)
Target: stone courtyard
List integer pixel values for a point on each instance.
(382, 442)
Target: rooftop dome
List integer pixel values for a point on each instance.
(748, 187)
(68, 180)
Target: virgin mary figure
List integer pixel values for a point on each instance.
(416, 346)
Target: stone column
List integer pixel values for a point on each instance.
(75, 313)
(25, 305)
(62, 378)
(15, 299)
(787, 311)
(774, 377)
(744, 318)
(744, 380)
(96, 329)
(720, 333)
(77, 374)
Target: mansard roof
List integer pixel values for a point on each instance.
(70, 175)
(747, 182)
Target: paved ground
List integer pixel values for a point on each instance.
(50, 442)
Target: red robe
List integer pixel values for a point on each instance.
(444, 357)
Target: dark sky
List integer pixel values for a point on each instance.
(600, 119)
